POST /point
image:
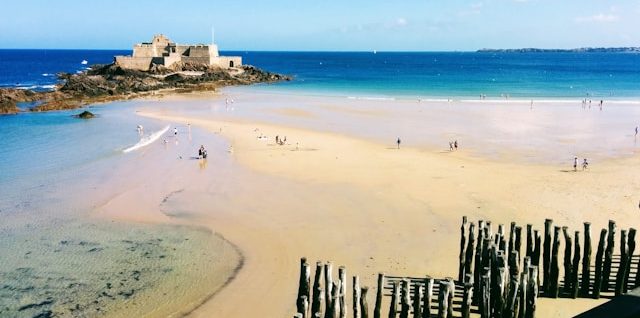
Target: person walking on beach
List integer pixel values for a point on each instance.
(175, 131)
(455, 144)
(450, 146)
(575, 164)
(636, 131)
(398, 142)
(277, 139)
(585, 164)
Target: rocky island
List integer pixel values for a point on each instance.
(156, 67)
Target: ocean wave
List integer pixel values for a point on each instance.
(370, 98)
(145, 141)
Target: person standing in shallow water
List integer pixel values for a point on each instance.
(398, 142)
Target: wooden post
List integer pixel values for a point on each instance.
(452, 291)
(393, 306)
(530, 242)
(378, 306)
(356, 297)
(608, 256)
(597, 285)
(511, 308)
(417, 299)
(623, 263)
(469, 250)
(335, 300)
(518, 241)
(364, 306)
(567, 260)
(485, 301)
(428, 297)
(554, 270)
(537, 251)
(478, 261)
(304, 285)
(342, 275)
(316, 304)
(500, 292)
(462, 256)
(632, 248)
(514, 265)
(305, 306)
(467, 296)
(575, 266)
(546, 256)
(444, 299)
(328, 292)
(523, 290)
(405, 300)
(532, 292)
(512, 237)
(586, 261)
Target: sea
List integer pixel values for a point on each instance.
(426, 75)
(36, 144)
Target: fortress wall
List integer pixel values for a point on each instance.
(144, 51)
(171, 59)
(225, 61)
(196, 60)
(199, 51)
(135, 63)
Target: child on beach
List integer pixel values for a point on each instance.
(585, 164)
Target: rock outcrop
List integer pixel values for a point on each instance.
(85, 115)
(110, 82)
(10, 97)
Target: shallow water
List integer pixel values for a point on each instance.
(61, 257)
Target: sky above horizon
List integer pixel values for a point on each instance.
(330, 25)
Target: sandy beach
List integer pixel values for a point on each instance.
(340, 192)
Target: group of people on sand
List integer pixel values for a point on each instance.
(202, 152)
(281, 141)
(586, 102)
(453, 145)
(585, 164)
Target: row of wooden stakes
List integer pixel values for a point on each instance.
(577, 281)
(331, 302)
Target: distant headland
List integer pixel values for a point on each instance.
(577, 50)
(160, 65)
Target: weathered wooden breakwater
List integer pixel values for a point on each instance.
(495, 278)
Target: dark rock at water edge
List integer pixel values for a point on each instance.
(85, 115)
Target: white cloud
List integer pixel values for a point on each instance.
(401, 22)
(599, 18)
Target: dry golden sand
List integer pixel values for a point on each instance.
(374, 208)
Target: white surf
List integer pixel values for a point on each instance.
(147, 140)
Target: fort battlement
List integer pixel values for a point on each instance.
(162, 51)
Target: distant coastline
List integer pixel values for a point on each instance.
(576, 50)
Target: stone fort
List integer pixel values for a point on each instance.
(161, 51)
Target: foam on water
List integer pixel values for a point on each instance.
(145, 141)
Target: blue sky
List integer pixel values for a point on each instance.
(328, 25)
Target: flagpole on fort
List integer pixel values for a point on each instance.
(213, 35)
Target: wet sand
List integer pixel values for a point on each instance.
(339, 189)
